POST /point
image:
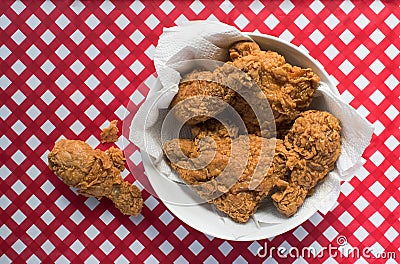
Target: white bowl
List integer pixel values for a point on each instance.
(202, 217)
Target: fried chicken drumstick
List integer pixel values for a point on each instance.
(95, 173)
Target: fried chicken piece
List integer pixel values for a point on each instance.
(95, 173)
(199, 96)
(288, 89)
(314, 145)
(238, 191)
(241, 201)
(251, 121)
(110, 133)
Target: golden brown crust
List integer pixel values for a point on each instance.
(203, 91)
(127, 198)
(288, 89)
(314, 145)
(117, 157)
(243, 48)
(240, 202)
(93, 173)
(237, 198)
(290, 199)
(251, 121)
(247, 114)
(110, 133)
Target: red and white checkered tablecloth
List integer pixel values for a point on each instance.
(68, 68)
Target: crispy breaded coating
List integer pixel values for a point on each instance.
(231, 192)
(241, 201)
(93, 173)
(193, 103)
(247, 114)
(110, 133)
(243, 48)
(117, 157)
(314, 145)
(251, 121)
(288, 89)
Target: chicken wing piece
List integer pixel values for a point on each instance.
(314, 145)
(204, 166)
(199, 96)
(95, 173)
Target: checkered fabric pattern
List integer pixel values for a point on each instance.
(68, 68)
